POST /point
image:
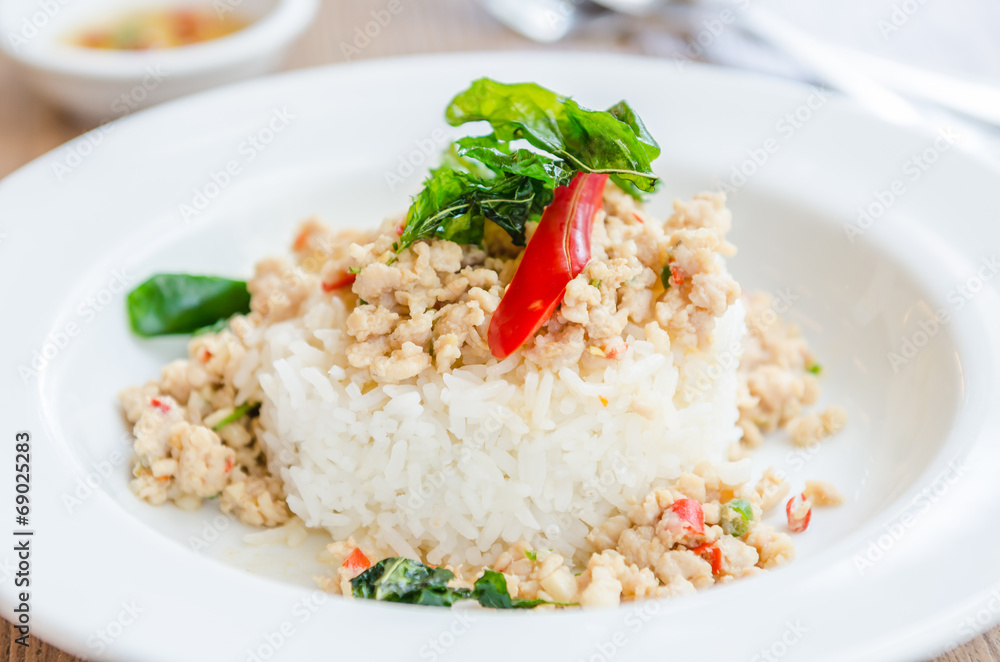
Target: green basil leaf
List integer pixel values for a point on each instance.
(179, 303)
(623, 112)
(587, 140)
(491, 591)
(407, 581)
(498, 157)
(454, 205)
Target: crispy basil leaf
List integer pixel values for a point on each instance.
(181, 303)
(454, 205)
(498, 158)
(587, 140)
(482, 177)
(407, 581)
(491, 591)
(623, 112)
(412, 582)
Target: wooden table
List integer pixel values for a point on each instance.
(28, 128)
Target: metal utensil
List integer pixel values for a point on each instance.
(875, 82)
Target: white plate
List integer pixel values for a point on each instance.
(918, 462)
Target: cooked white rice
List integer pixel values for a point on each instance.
(454, 467)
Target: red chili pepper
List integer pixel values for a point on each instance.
(344, 281)
(160, 404)
(676, 275)
(796, 522)
(556, 254)
(356, 562)
(714, 555)
(229, 465)
(689, 511)
(300, 241)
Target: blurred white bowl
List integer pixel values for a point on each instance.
(100, 85)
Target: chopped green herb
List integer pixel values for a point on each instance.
(362, 302)
(595, 282)
(245, 409)
(531, 555)
(412, 582)
(180, 303)
(815, 368)
(736, 517)
(665, 275)
(354, 270)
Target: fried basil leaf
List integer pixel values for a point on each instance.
(454, 205)
(407, 581)
(491, 591)
(614, 143)
(412, 582)
(483, 177)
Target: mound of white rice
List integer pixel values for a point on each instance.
(453, 468)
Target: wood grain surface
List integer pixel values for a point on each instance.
(29, 128)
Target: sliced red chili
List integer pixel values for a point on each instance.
(343, 281)
(300, 241)
(356, 562)
(556, 254)
(714, 555)
(797, 521)
(690, 512)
